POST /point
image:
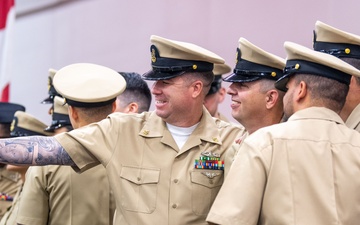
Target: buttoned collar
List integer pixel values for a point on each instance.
(207, 130)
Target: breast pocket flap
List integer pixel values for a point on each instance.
(140, 175)
(207, 178)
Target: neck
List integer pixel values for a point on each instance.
(271, 119)
(346, 111)
(255, 127)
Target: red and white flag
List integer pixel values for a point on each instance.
(7, 20)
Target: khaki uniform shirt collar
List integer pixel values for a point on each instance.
(320, 113)
(206, 130)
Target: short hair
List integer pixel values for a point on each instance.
(355, 63)
(205, 77)
(95, 114)
(267, 85)
(325, 91)
(137, 90)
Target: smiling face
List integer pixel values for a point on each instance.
(248, 101)
(173, 98)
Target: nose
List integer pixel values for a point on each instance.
(231, 90)
(155, 88)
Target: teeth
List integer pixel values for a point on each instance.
(160, 102)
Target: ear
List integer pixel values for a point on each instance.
(222, 93)
(197, 87)
(272, 97)
(133, 107)
(73, 114)
(113, 106)
(300, 92)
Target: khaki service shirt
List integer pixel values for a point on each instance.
(154, 182)
(354, 119)
(301, 172)
(57, 195)
(10, 216)
(232, 152)
(9, 184)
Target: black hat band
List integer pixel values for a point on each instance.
(306, 67)
(88, 104)
(171, 65)
(337, 49)
(19, 132)
(168, 65)
(244, 67)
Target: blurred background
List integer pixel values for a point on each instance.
(116, 33)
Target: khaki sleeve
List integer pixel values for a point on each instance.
(239, 199)
(34, 201)
(91, 145)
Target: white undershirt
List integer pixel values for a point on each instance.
(181, 134)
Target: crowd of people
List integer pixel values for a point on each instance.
(293, 157)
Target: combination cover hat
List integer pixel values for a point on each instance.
(24, 124)
(7, 111)
(88, 85)
(60, 115)
(302, 60)
(336, 42)
(171, 58)
(253, 63)
(219, 70)
(51, 90)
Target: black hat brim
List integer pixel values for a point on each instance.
(48, 100)
(280, 84)
(157, 75)
(236, 78)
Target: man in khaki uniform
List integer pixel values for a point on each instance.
(346, 46)
(255, 100)
(23, 124)
(304, 171)
(217, 93)
(165, 167)
(9, 181)
(57, 194)
(256, 103)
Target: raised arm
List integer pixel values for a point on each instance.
(33, 150)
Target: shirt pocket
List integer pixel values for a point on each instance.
(205, 185)
(139, 188)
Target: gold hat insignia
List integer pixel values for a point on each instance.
(12, 125)
(153, 57)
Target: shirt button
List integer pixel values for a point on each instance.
(176, 181)
(211, 181)
(174, 206)
(139, 179)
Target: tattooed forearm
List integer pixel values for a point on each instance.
(51, 152)
(34, 150)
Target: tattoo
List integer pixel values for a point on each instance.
(34, 150)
